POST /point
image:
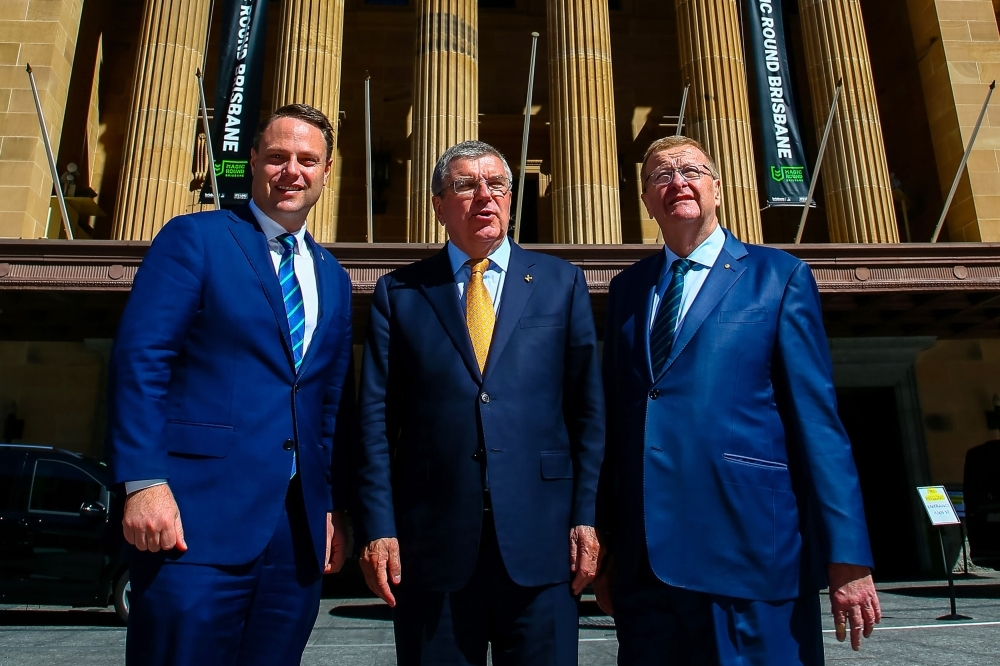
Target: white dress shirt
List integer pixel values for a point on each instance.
(704, 257)
(305, 273)
(493, 278)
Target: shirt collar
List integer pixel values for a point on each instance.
(272, 229)
(500, 257)
(705, 254)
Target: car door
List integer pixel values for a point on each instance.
(67, 511)
(15, 550)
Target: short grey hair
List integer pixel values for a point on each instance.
(468, 150)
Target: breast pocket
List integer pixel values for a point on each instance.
(541, 320)
(742, 316)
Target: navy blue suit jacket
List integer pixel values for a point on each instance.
(425, 410)
(731, 465)
(204, 393)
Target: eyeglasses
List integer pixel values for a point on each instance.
(497, 185)
(688, 172)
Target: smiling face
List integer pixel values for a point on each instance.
(476, 224)
(682, 207)
(289, 171)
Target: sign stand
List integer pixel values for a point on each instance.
(942, 512)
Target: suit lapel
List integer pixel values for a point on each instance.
(644, 301)
(441, 292)
(251, 240)
(325, 290)
(722, 276)
(515, 295)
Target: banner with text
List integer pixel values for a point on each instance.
(786, 176)
(237, 98)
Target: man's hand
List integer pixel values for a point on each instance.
(379, 555)
(336, 542)
(602, 582)
(152, 520)
(583, 553)
(853, 599)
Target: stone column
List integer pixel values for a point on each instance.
(308, 72)
(585, 198)
(43, 34)
(445, 99)
(855, 175)
(959, 49)
(718, 113)
(156, 162)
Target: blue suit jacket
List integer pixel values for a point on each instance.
(425, 411)
(203, 389)
(731, 466)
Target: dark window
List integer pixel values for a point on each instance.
(62, 487)
(10, 470)
(387, 2)
(498, 4)
(614, 4)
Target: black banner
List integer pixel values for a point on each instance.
(237, 98)
(787, 177)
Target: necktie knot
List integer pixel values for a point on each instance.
(288, 242)
(682, 266)
(479, 265)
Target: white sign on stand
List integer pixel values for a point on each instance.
(938, 505)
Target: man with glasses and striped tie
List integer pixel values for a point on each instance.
(728, 495)
(231, 397)
(482, 433)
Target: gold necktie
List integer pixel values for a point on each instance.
(479, 316)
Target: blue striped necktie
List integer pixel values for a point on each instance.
(291, 292)
(661, 336)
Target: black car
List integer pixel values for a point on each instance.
(60, 530)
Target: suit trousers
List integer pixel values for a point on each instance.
(258, 613)
(524, 626)
(661, 625)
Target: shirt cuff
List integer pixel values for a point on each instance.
(133, 486)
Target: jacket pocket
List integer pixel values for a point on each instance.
(541, 320)
(742, 316)
(756, 462)
(199, 439)
(557, 465)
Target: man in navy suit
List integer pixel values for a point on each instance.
(728, 485)
(482, 434)
(229, 394)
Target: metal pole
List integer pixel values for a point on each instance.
(48, 153)
(368, 156)
(524, 140)
(208, 141)
(951, 581)
(680, 115)
(819, 162)
(961, 166)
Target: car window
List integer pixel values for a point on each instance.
(10, 469)
(59, 487)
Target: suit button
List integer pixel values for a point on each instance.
(654, 394)
(295, 389)
(484, 397)
(478, 455)
(288, 445)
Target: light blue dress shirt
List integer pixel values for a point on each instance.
(704, 256)
(493, 278)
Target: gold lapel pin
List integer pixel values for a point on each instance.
(528, 278)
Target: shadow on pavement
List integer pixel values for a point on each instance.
(363, 612)
(59, 618)
(941, 591)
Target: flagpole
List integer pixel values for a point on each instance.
(48, 154)
(208, 140)
(819, 161)
(524, 140)
(961, 166)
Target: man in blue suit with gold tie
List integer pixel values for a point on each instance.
(230, 398)
(482, 434)
(728, 492)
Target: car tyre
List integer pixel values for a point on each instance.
(123, 589)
